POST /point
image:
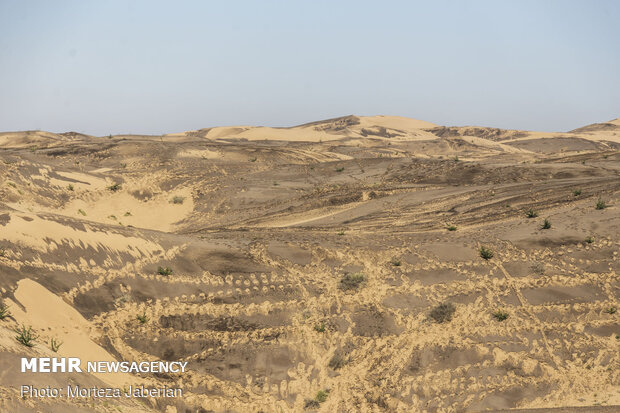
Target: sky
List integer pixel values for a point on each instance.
(110, 67)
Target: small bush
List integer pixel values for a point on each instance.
(500, 315)
(70, 187)
(2, 252)
(319, 328)
(252, 159)
(486, 253)
(589, 240)
(340, 169)
(341, 232)
(577, 192)
(396, 263)
(4, 312)
(81, 212)
(114, 187)
(321, 396)
(546, 224)
(443, 313)
(177, 200)
(26, 336)
(611, 310)
(123, 165)
(530, 213)
(164, 270)
(127, 214)
(55, 344)
(337, 361)
(451, 228)
(600, 204)
(538, 268)
(352, 281)
(142, 318)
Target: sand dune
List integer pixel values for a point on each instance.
(283, 262)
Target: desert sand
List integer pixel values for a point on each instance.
(302, 269)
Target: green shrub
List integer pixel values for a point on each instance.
(530, 213)
(611, 310)
(352, 281)
(451, 228)
(500, 315)
(590, 240)
(486, 253)
(142, 318)
(81, 212)
(70, 187)
(321, 396)
(114, 187)
(127, 214)
(55, 344)
(546, 224)
(177, 200)
(319, 328)
(577, 192)
(4, 312)
(600, 204)
(396, 263)
(26, 336)
(443, 313)
(164, 270)
(340, 169)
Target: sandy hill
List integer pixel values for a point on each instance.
(352, 264)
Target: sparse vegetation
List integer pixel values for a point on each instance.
(530, 213)
(546, 224)
(81, 212)
(456, 158)
(341, 232)
(164, 270)
(4, 312)
(2, 252)
(55, 344)
(123, 165)
(275, 184)
(112, 217)
(500, 315)
(611, 310)
(25, 335)
(177, 199)
(11, 184)
(114, 187)
(252, 159)
(443, 313)
(142, 318)
(577, 192)
(486, 253)
(396, 263)
(589, 240)
(127, 214)
(451, 228)
(352, 281)
(70, 187)
(320, 327)
(600, 204)
(340, 169)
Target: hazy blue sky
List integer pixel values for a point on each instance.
(104, 67)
